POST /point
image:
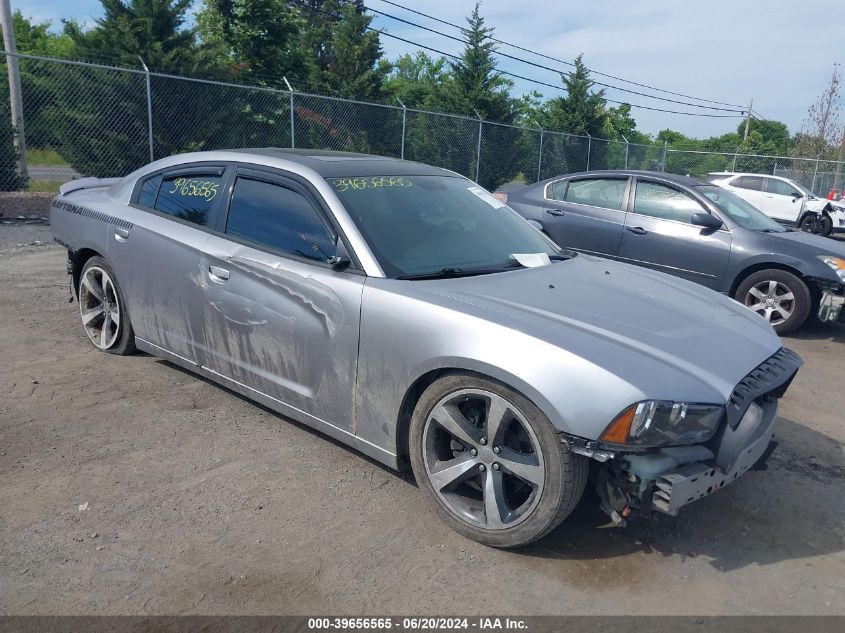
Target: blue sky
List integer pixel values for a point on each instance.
(777, 52)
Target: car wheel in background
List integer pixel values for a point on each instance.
(825, 225)
(103, 310)
(818, 224)
(808, 223)
(490, 462)
(781, 298)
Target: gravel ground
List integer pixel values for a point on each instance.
(128, 486)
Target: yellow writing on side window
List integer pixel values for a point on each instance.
(370, 182)
(197, 188)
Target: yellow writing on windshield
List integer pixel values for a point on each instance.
(370, 182)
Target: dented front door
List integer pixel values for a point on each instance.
(286, 328)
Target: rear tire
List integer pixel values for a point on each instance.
(780, 297)
(505, 490)
(102, 309)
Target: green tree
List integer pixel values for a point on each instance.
(773, 136)
(344, 51)
(582, 111)
(99, 116)
(38, 38)
(353, 70)
(153, 30)
(415, 79)
(473, 86)
(259, 40)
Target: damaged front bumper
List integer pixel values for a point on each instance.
(831, 300)
(666, 479)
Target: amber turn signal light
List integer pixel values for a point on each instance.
(617, 432)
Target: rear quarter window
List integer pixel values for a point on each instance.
(149, 189)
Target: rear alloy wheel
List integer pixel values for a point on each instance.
(778, 296)
(491, 462)
(102, 309)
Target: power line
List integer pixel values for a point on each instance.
(563, 61)
(528, 79)
(554, 70)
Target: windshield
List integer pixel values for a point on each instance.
(740, 211)
(419, 225)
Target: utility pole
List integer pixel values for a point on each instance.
(748, 120)
(15, 99)
(840, 165)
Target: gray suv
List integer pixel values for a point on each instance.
(692, 229)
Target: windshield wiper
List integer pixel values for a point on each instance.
(451, 273)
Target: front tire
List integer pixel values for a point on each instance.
(490, 462)
(825, 225)
(103, 309)
(781, 298)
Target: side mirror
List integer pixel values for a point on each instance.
(707, 221)
(341, 259)
(795, 196)
(536, 225)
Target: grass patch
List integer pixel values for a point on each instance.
(45, 186)
(46, 157)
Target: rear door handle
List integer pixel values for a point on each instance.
(556, 212)
(120, 234)
(637, 230)
(217, 273)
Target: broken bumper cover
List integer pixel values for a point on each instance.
(831, 301)
(672, 477)
(676, 488)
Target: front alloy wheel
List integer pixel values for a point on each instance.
(780, 297)
(492, 465)
(482, 459)
(772, 300)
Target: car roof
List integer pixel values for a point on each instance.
(678, 179)
(332, 164)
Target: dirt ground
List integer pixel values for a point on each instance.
(128, 486)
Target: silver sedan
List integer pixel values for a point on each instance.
(406, 311)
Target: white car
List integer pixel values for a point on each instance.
(784, 200)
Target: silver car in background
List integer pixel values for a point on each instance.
(404, 310)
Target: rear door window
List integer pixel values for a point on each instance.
(607, 193)
(752, 183)
(189, 197)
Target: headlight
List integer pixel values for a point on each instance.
(663, 423)
(837, 263)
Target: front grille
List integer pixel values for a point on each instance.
(771, 377)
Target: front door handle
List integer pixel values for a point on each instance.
(120, 234)
(217, 273)
(556, 212)
(637, 230)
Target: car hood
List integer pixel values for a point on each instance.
(809, 244)
(635, 311)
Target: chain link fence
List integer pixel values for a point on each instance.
(82, 119)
